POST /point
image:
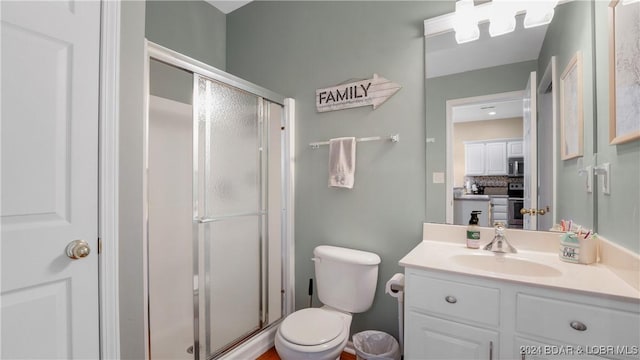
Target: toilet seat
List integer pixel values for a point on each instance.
(313, 326)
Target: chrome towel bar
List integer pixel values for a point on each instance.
(393, 138)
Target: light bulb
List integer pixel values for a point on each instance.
(503, 17)
(539, 13)
(465, 22)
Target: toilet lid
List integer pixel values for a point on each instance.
(311, 327)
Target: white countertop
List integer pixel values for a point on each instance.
(472, 197)
(594, 279)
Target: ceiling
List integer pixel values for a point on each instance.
(227, 6)
(490, 110)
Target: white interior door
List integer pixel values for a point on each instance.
(50, 63)
(529, 123)
(545, 155)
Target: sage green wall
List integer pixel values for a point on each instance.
(294, 48)
(194, 28)
(170, 82)
(494, 80)
(569, 32)
(618, 213)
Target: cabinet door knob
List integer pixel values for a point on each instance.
(451, 299)
(577, 325)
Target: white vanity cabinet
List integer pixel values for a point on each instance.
(429, 337)
(449, 320)
(592, 326)
(454, 316)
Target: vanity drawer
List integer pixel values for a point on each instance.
(576, 323)
(454, 300)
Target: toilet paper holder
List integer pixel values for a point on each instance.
(395, 288)
(395, 285)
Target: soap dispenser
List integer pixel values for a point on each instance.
(473, 232)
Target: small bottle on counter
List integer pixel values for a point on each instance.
(473, 232)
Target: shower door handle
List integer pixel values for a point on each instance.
(204, 220)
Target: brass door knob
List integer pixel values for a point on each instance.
(544, 211)
(78, 249)
(533, 212)
(524, 211)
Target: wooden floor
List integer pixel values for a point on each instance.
(273, 355)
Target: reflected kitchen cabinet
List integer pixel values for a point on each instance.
(515, 148)
(485, 157)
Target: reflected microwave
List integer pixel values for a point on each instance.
(516, 166)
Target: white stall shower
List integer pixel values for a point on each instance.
(216, 213)
(170, 228)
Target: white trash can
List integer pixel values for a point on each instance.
(375, 345)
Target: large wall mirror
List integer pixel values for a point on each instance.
(470, 92)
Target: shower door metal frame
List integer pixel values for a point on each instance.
(170, 57)
(202, 240)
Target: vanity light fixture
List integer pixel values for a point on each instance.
(503, 17)
(539, 13)
(465, 22)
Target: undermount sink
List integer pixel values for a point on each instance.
(505, 264)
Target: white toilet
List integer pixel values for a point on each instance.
(346, 281)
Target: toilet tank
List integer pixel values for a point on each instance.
(346, 279)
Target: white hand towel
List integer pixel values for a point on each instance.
(342, 162)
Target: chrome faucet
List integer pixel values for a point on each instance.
(499, 244)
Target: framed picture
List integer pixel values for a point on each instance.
(571, 110)
(624, 71)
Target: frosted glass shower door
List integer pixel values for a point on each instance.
(230, 213)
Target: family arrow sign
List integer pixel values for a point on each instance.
(360, 93)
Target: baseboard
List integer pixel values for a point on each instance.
(253, 347)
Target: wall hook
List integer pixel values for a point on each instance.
(604, 170)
